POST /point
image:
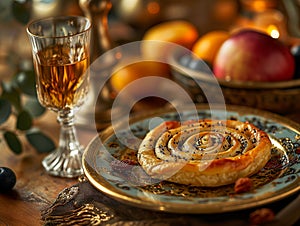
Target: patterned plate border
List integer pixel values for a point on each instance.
(285, 185)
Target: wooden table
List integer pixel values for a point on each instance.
(34, 189)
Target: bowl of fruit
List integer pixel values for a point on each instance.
(251, 68)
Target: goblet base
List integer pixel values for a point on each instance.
(64, 165)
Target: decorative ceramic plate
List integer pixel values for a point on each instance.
(277, 180)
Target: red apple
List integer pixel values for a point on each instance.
(249, 55)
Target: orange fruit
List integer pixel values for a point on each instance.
(179, 32)
(207, 46)
(122, 76)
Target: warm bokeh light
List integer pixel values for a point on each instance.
(153, 7)
(259, 5)
(271, 21)
(129, 5)
(272, 30)
(45, 8)
(225, 10)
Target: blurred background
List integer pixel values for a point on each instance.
(127, 19)
(122, 21)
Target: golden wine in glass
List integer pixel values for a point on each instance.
(60, 49)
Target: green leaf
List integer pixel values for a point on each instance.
(13, 142)
(25, 80)
(41, 142)
(21, 10)
(34, 107)
(24, 121)
(5, 110)
(10, 93)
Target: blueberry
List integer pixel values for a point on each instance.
(295, 50)
(7, 179)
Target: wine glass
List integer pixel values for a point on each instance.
(60, 49)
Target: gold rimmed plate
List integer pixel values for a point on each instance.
(277, 180)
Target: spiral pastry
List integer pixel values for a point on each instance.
(204, 153)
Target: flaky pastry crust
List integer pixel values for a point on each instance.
(207, 153)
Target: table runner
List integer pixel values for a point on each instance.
(82, 204)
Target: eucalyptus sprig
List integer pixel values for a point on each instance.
(18, 100)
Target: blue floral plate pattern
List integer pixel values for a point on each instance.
(277, 180)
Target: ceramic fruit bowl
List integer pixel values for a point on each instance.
(279, 97)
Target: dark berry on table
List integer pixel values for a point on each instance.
(295, 50)
(7, 179)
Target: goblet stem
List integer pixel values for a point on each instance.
(65, 161)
